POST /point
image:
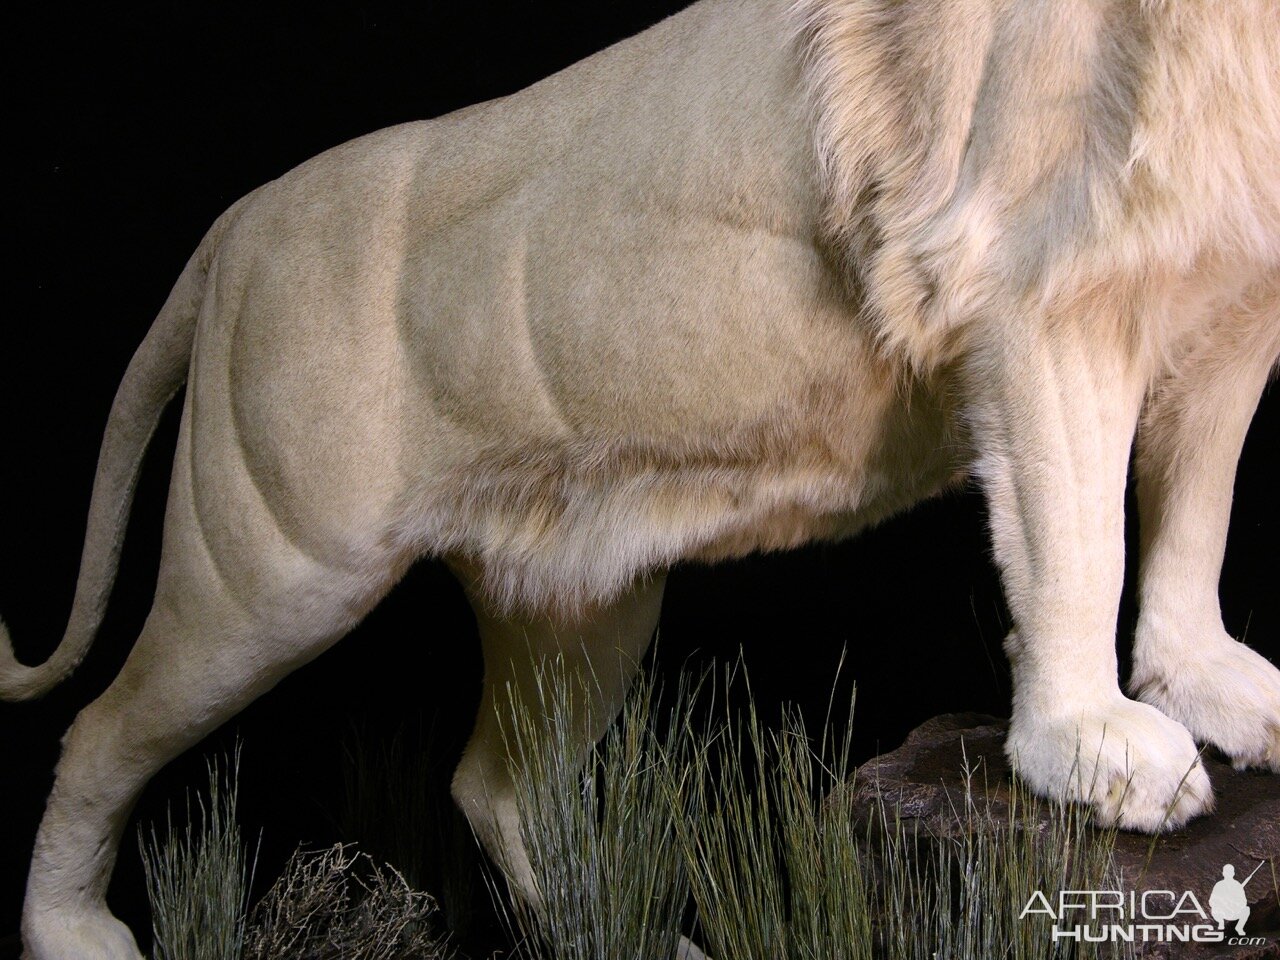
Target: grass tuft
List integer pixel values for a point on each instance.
(777, 869)
(961, 895)
(198, 877)
(779, 859)
(603, 850)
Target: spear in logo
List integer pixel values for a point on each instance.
(1250, 876)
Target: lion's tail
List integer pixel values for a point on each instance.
(156, 372)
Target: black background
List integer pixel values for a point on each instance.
(129, 133)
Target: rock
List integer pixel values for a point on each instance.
(925, 777)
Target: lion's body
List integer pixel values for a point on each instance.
(574, 334)
(753, 277)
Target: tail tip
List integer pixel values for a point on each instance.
(19, 681)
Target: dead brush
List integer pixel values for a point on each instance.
(337, 904)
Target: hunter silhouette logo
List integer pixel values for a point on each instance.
(1148, 916)
(1228, 901)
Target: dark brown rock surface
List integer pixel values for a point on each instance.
(925, 778)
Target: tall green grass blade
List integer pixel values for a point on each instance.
(198, 876)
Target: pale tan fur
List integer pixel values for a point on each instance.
(1044, 153)
(759, 275)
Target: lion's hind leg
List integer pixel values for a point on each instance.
(219, 634)
(597, 652)
(600, 650)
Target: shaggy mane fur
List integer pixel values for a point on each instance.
(1044, 151)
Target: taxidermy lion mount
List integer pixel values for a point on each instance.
(765, 273)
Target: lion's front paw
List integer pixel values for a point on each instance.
(1136, 767)
(1224, 693)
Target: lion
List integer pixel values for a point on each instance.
(765, 273)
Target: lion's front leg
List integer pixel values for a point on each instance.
(1185, 662)
(1053, 413)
